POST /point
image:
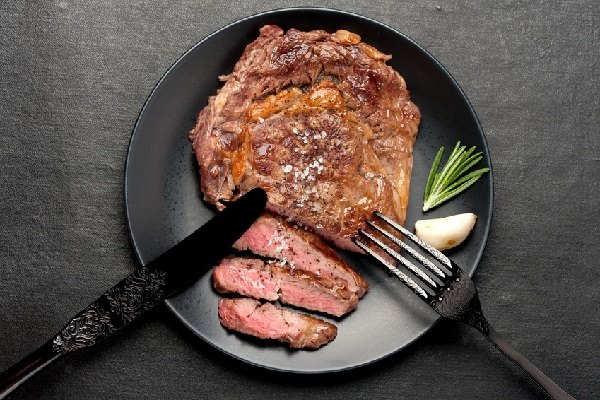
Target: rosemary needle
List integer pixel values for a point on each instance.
(454, 177)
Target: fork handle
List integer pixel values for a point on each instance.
(527, 366)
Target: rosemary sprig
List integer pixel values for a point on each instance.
(454, 177)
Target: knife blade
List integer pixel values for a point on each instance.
(143, 289)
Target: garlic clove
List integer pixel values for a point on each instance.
(446, 233)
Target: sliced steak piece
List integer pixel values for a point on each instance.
(273, 237)
(269, 281)
(245, 276)
(267, 321)
(319, 121)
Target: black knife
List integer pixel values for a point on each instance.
(144, 288)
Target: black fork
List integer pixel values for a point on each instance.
(448, 290)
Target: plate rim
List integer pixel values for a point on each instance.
(485, 150)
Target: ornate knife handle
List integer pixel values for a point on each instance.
(144, 288)
(123, 303)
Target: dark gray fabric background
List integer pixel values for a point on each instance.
(73, 78)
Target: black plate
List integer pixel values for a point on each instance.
(164, 204)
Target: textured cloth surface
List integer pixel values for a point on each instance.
(73, 77)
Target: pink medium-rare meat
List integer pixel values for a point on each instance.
(266, 280)
(319, 121)
(245, 276)
(273, 237)
(268, 321)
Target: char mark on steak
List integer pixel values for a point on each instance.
(319, 121)
(270, 281)
(268, 321)
(273, 237)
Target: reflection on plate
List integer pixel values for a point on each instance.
(163, 201)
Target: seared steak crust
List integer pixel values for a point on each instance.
(267, 321)
(320, 122)
(271, 281)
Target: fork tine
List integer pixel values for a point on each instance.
(431, 266)
(414, 286)
(410, 266)
(435, 253)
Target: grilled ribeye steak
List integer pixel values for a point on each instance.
(255, 278)
(273, 237)
(319, 121)
(268, 321)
